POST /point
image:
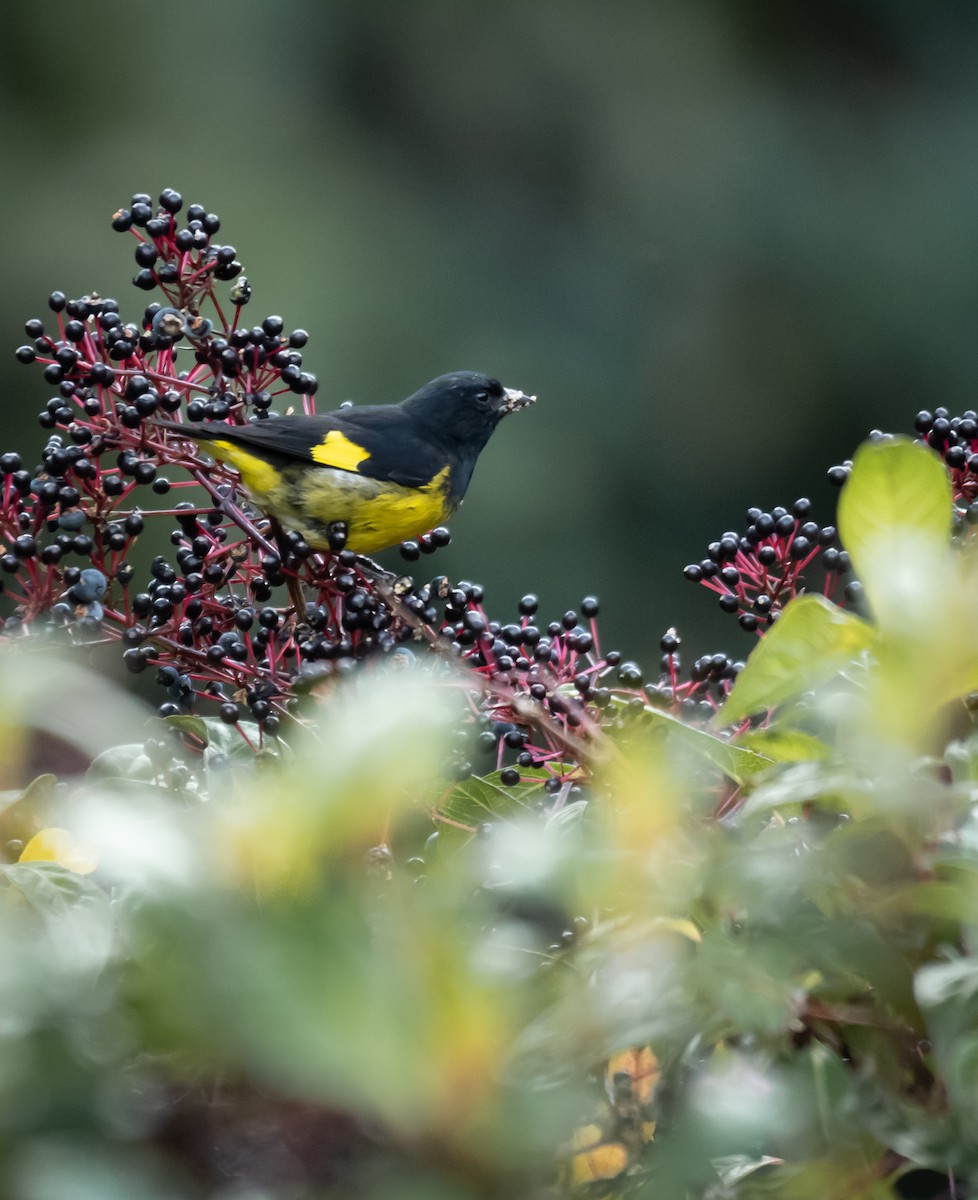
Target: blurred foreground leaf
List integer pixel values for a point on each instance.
(811, 643)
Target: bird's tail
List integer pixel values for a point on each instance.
(208, 431)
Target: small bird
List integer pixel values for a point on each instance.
(388, 472)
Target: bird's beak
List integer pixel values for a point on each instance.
(514, 400)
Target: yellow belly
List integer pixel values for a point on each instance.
(310, 498)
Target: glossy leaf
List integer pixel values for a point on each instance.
(812, 642)
(469, 803)
(896, 487)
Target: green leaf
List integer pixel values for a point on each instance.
(812, 642)
(895, 520)
(40, 790)
(948, 992)
(739, 763)
(128, 761)
(895, 516)
(50, 888)
(478, 799)
(896, 485)
(785, 745)
(187, 723)
(570, 815)
(243, 739)
(943, 901)
(948, 997)
(77, 915)
(22, 814)
(835, 787)
(236, 742)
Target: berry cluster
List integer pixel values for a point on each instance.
(698, 696)
(109, 369)
(246, 614)
(242, 613)
(956, 440)
(756, 573)
(550, 690)
(545, 686)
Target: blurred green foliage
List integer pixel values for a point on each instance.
(719, 240)
(741, 964)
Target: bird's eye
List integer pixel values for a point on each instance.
(482, 397)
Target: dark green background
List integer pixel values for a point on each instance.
(721, 241)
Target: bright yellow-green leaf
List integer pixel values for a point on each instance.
(785, 745)
(895, 521)
(898, 487)
(895, 517)
(812, 642)
(60, 846)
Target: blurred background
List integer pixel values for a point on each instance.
(720, 240)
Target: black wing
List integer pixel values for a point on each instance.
(378, 441)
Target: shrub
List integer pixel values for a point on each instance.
(390, 898)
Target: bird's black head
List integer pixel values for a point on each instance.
(462, 409)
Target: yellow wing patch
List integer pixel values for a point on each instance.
(258, 476)
(335, 450)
